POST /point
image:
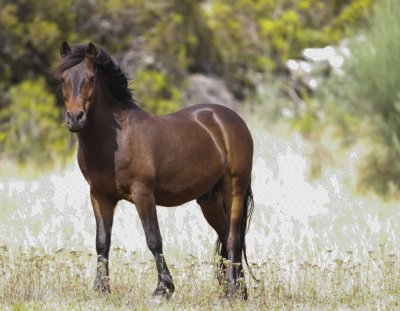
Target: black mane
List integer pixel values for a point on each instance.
(116, 79)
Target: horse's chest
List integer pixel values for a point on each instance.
(109, 184)
(100, 177)
(102, 181)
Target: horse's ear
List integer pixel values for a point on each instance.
(65, 49)
(91, 51)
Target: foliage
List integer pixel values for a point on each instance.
(32, 116)
(258, 36)
(238, 41)
(30, 33)
(180, 39)
(154, 93)
(373, 92)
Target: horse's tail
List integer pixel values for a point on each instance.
(248, 208)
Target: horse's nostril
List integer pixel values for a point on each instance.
(69, 115)
(80, 115)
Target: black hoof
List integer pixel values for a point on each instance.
(236, 291)
(164, 290)
(102, 285)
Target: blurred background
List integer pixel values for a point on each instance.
(316, 80)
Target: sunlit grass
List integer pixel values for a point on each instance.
(62, 280)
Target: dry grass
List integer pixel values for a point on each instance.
(62, 281)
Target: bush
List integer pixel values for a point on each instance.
(154, 93)
(373, 87)
(31, 126)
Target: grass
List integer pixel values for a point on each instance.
(62, 280)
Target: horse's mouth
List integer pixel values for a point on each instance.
(77, 127)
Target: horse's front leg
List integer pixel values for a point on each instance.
(146, 207)
(103, 208)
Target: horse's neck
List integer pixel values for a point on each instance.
(101, 126)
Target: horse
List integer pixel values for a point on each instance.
(202, 152)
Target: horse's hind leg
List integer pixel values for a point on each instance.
(214, 211)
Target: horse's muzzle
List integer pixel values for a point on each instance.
(76, 120)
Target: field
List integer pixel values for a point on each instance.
(313, 244)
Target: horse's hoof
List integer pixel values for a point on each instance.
(234, 296)
(102, 285)
(236, 291)
(164, 290)
(243, 294)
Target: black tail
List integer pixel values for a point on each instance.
(248, 208)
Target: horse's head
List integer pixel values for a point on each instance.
(78, 85)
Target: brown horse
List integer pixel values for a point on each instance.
(202, 152)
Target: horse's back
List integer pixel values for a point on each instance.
(228, 130)
(207, 114)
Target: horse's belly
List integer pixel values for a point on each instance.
(186, 187)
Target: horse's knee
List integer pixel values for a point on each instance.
(154, 243)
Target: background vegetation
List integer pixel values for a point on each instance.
(373, 97)
(160, 43)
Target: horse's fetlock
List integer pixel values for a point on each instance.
(164, 288)
(166, 279)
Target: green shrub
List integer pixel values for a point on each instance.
(31, 126)
(154, 93)
(373, 88)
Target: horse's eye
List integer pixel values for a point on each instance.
(62, 80)
(92, 79)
